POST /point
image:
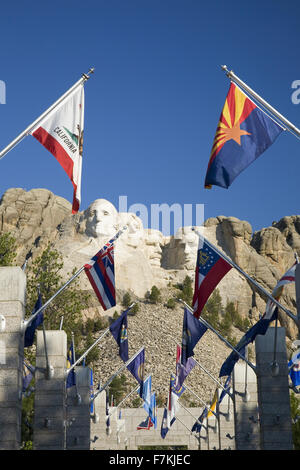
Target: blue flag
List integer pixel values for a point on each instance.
(30, 330)
(259, 328)
(71, 380)
(244, 132)
(146, 393)
(119, 331)
(164, 424)
(192, 330)
(153, 410)
(92, 392)
(198, 424)
(28, 374)
(136, 367)
(294, 369)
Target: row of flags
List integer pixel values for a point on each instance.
(244, 132)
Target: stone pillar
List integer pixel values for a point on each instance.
(50, 393)
(245, 407)
(78, 411)
(273, 392)
(12, 311)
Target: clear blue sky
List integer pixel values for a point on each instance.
(153, 103)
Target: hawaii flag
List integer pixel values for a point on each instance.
(61, 132)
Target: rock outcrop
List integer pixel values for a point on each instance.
(144, 257)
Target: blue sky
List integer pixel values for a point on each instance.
(154, 101)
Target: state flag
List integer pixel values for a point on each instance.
(61, 132)
(210, 269)
(244, 132)
(119, 331)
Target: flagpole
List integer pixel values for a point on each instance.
(84, 77)
(27, 322)
(258, 98)
(117, 373)
(127, 396)
(207, 372)
(92, 346)
(266, 293)
(186, 409)
(200, 399)
(220, 336)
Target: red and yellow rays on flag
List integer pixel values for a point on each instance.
(236, 109)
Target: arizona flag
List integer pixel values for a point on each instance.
(210, 269)
(61, 132)
(244, 132)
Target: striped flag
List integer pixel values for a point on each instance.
(61, 132)
(210, 269)
(101, 274)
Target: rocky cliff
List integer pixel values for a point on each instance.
(144, 258)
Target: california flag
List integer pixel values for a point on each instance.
(61, 132)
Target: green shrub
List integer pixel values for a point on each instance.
(171, 303)
(155, 295)
(126, 302)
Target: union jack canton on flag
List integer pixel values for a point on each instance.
(101, 274)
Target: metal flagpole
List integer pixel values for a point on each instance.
(25, 323)
(85, 77)
(78, 397)
(49, 369)
(207, 372)
(91, 347)
(200, 399)
(280, 117)
(186, 409)
(127, 396)
(117, 373)
(220, 336)
(266, 293)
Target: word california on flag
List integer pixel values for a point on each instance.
(244, 132)
(61, 132)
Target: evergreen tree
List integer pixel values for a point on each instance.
(7, 249)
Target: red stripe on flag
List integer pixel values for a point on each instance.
(57, 150)
(211, 280)
(106, 277)
(87, 272)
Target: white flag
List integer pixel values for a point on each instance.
(61, 132)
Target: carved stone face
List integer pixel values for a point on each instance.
(154, 241)
(134, 234)
(101, 219)
(183, 249)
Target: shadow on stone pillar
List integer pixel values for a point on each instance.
(273, 392)
(12, 311)
(50, 394)
(78, 430)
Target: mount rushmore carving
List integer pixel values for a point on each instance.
(145, 257)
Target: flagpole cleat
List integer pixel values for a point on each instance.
(274, 369)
